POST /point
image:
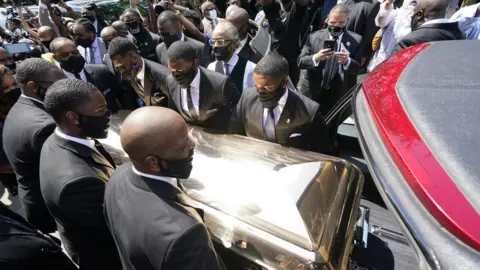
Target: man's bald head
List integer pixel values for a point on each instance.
(46, 33)
(108, 34)
(59, 43)
(153, 135)
(431, 9)
(239, 18)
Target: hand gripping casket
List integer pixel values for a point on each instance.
(268, 206)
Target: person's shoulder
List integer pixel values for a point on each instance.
(195, 43)
(212, 75)
(96, 68)
(318, 33)
(357, 37)
(156, 67)
(28, 117)
(311, 105)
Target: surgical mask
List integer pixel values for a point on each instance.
(221, 53)
(177, 168)
(13, 95)
(94, 126)
(169, 39)
(84, 42)
(184, 78)
(335, 31)
(74, 64)
(270, 100)
(212, 13)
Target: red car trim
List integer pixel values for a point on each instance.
(425, 175)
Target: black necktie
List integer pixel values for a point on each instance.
(191, 109)
(331, 68)
(104, 153)
(77, 76)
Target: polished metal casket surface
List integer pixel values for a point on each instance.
(280, 207)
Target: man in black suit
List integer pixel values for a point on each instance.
(285, 28)
(274, 113)
(201, 96)
(74, 67)
(239, 18)
(429, 24)
(240, 70)
(145, 41)
(170, 29)
(26, 128)
(74, 169)
(331, 71)
(147, 78)
(156, 140)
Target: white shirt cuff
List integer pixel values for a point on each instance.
(315, 63)
(345, 67)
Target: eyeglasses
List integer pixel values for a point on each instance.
(219, 42)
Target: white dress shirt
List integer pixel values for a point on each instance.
(170, 180)
(141, 75)
(241, 44)
(72, 76)
(342, 47)
(195, 95)
(87, 142)
(92, 53)
(247, 76)
(277, 111)
(34, 99)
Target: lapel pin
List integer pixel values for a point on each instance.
(348, 43)
(288, 120)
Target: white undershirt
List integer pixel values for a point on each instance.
(87, 142)
(195, 95)
(34, 99)
(170, 180)
(141, 75)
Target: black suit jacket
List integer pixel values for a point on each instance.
(26, 128)
(202, 51)
(247, 53)
(105, 81)
(74, 193)
(146, 47)
(218, 97)
(301, 116)
(361, 20)
(429, 33)
(165, 233)
(312, 80)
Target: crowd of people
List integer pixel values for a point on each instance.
(183, 63)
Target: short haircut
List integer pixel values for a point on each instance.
(230, 29)
(204, 5)
(121, 46)
(181, 50)
(67, 95)
(131, 10)
(340, 8)
(192, 15)
(272, 64)
(57, 40)
(33, 69)
(167, 17)
(86, 23)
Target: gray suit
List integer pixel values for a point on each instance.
(101, 47)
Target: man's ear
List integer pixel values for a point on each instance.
(32, 86)
(153, 164)
(196, 63)
(72, 118)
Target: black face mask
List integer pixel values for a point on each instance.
(169, 39)
(41, 92)
(85, 43)
(185, 78)
(270, 100)
(335, 31)
(94, 126)
(35, 53)
(12, 67)
(178, 168)
(221, 53)
(417, 19)
(135, 28)
(47, 44)
(74, 64)
(13, 95)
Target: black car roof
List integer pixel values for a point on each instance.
(440, 92)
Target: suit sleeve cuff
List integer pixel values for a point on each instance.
(345, 67)
(315, 63)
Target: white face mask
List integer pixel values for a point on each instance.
(213, 13)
